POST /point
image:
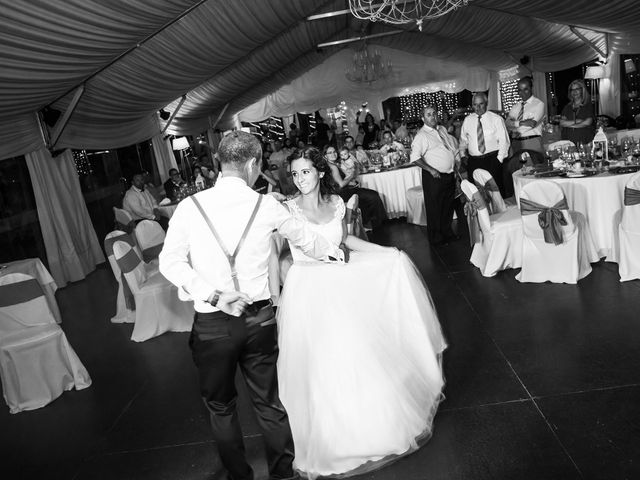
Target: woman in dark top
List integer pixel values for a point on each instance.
(371, 130)
(577, 116)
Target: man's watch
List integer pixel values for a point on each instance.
(214, 298)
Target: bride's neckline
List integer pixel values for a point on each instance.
(301, 212)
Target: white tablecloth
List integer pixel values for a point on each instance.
(35, 268)
(600, 198)
(392, 185)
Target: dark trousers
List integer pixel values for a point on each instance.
(439, 194)
(221, 343)
(373, 211)
(491, 164)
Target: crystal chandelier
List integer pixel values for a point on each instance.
(399, 11)
(367, 67)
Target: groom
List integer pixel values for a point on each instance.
(234, 324)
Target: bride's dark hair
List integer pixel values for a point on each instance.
(328, 185)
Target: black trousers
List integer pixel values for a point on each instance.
(439, 194)
(491, 164)
(373, 211)
(221, 343)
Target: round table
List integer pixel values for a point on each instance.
(392, 185)
(600, 198)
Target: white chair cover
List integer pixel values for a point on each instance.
(125, 305)
(123, 219)
(165, 201)
(416, 211)
(626, 250)
(542, 259)
(560, 144)
(500, 245)
(37, 363)
(150, 237)
(158, 308)
(489, 189)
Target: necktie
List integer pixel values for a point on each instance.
(480, 134)
(521, 112)
(443, 136)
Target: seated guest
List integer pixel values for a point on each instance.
(172, 185)
(389, 144)
(400, 130)
(577, 119)
(140, 203)
(265, 182)
(345, 171)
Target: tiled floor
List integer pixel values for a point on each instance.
(543, 382)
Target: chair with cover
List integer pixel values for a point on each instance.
(557, 244)
(37, 363)
(158, 308)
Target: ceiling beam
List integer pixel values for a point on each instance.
(62, 123)
(357, 39)
(589, 43)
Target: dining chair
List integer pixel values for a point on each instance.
(488, 188)
(158, 308)
(416, 210)
(123, 220)
(37, 363)
(150, 237)
(557, 244)
(496, 239)
(626, 251)
(353, 217)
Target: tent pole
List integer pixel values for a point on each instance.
(62, 123)
(173, 115)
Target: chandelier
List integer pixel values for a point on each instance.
(399, 11)
(368, 67)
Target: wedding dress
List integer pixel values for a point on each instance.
(359, 366)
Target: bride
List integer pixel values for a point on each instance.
(360, 343)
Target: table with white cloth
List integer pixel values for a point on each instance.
(35, 268)
(392, 186)
(599, 198)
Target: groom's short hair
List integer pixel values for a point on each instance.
(239, 147)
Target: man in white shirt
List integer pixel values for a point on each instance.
(525, 119)
(435, 153)
(484, 141)
(139, 202)
(278, 164)
(234, 324)
(389, 144)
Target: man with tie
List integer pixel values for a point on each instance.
(433, 150)
(525, 119)
(234, 326)
(484, 141)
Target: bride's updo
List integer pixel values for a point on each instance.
(328, 185)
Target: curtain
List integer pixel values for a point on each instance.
(165, 160)
(71, 243)
(609, 101)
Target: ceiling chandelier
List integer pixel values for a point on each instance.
(368, 67)
(400, 12)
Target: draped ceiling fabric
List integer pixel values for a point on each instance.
(137, 56)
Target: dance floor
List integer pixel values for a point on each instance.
(543, 382)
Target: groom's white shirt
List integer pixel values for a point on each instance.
(192, 260)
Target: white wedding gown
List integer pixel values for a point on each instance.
(359, 367)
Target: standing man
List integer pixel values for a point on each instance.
(525, 119)
(234, 324)
(434, 152)
(484, 141)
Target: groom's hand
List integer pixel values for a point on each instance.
(233, 303)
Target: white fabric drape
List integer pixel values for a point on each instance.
(70, 241)
(326, 84)
(165, 160)
(609, 91)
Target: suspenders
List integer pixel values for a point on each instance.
(231, 257)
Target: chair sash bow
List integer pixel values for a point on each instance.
(127, 264)
(550, 219)
(471, 208)
(151, 253)
(108, 243)
(19, 292)
(631, 196)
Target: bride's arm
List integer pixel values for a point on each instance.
(357, 244)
